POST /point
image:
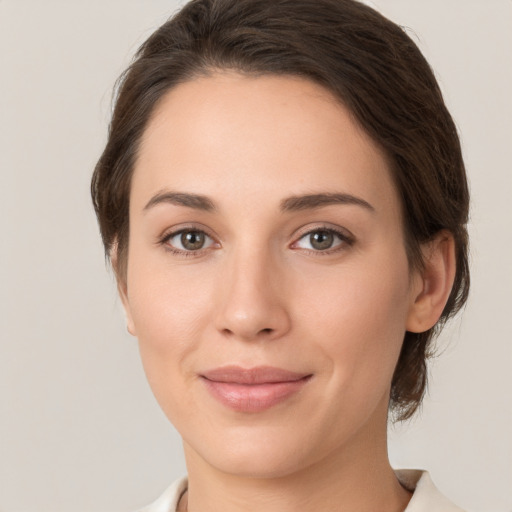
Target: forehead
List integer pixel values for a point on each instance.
(266, 135)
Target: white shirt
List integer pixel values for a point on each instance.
(425, 498)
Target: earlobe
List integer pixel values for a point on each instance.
(122, 290)
(435, 283)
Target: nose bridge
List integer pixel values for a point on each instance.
(253, 304)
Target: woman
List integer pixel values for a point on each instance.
(284, 202)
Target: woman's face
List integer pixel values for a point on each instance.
(267, 279)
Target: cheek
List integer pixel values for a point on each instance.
(358, 318)
(169, 310)
(167, 300)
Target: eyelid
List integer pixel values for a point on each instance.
(170, 233)
(323, 226)
(346, 237)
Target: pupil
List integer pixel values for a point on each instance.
(321, 240)
(192, 240)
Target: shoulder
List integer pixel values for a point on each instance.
(168, 501)
(426, 497)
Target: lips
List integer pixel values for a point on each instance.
(255, 389)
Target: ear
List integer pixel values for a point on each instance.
(122, 289)
(433, 284)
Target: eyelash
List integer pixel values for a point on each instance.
(344, 238)
(164, 241)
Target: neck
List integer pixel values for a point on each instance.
(357, 476)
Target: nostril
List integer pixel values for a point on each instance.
(266, 330)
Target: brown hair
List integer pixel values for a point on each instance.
(370, 64)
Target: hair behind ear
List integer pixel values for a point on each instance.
(435, 284)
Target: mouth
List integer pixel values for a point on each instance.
(254, 389)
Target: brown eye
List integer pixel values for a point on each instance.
(321, 240)
(192, 240)
(189, 240)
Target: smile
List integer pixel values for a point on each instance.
(255, 389)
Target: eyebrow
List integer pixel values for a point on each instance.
(195, 201)
(290, 204)
(312, 201)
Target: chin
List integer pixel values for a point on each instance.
(258, 463)
(261, 453)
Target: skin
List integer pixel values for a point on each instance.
(259, 293)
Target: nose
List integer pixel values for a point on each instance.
(252, 305)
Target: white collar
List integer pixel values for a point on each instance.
(425, 498)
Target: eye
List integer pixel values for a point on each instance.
(188, 240)
(322, 240)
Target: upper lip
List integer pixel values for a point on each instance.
(256, 375)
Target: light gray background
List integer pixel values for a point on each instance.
(79, 428)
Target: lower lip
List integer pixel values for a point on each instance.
(253, 397)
